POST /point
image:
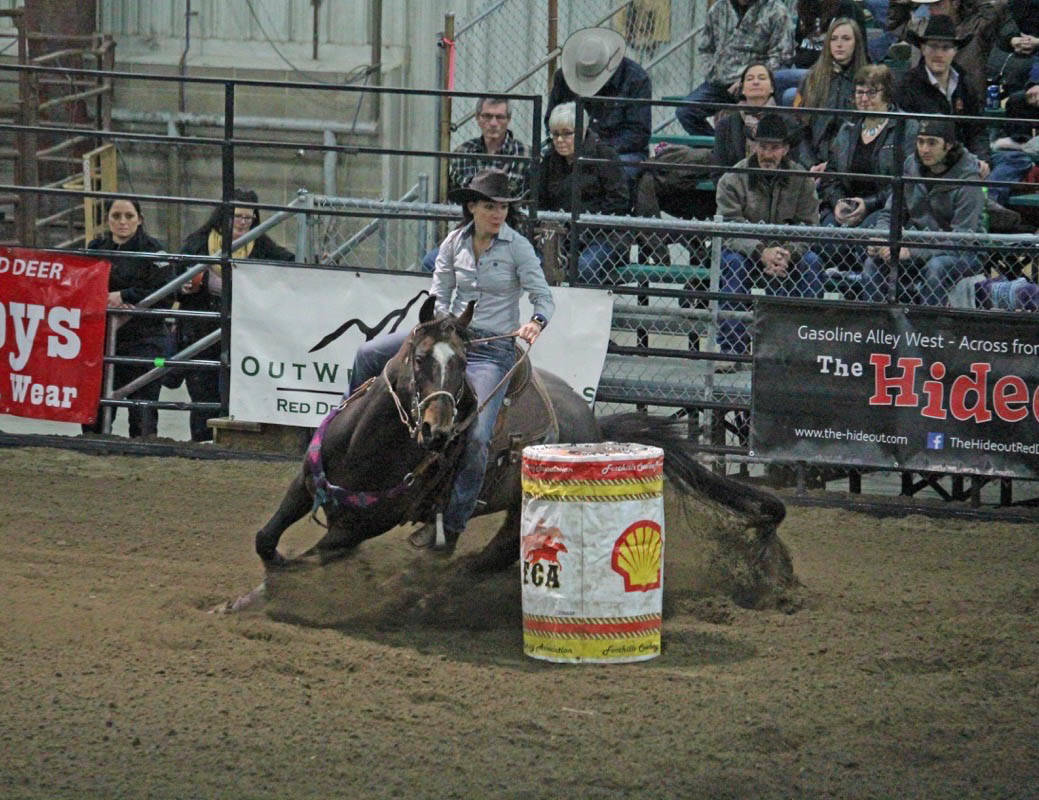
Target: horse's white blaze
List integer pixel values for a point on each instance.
(443, 352)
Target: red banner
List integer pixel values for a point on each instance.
(52, 334)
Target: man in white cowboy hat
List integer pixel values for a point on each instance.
(593, 64)
(937, 85)
(736, 33)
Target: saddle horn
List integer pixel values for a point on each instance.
(467, 315)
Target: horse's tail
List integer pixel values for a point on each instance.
(763, 509)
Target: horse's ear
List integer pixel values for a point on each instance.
(428, 310)
(467, 315)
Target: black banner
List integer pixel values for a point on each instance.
(915, 389)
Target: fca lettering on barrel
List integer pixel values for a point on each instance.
(968, 396)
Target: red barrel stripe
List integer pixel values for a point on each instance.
(629, 626)
(635, 469)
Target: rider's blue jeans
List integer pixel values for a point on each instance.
(486, 365)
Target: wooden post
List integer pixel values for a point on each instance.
(445, 105)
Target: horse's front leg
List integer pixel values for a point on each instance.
(501, 551)
(295, 504)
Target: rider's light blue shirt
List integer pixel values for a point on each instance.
(505, 270)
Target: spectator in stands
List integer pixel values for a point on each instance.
(593, 64)
(936, 85)
(810, 36)
(679, 192)
(829, 84)
(1019, 42)
(130, 281)
(734, 131)
(782, 268)
(926, 275)
(736, 33)
(203, 292)
(975, 23)
(1010, 162)
(492, 117)
(864, 145)
(601, 189)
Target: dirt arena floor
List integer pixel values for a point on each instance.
(905, 666)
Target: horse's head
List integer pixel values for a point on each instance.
(435, 352)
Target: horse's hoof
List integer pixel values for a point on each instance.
(246, 602)
(425, 538)
(274, 561)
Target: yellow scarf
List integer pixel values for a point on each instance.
(216, 244)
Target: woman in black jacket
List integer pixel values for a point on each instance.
(203, 293)
(601, 189)
(864, 145)
(130, 280)
(829, 84)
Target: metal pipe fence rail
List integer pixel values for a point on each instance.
(670, 275)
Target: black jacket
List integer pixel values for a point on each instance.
(916, 94)
(848, 138)
(137, 278)
(819, 129)
(601, 187)
(623, 126)
(197, 243)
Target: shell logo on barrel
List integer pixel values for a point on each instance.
(637, 555)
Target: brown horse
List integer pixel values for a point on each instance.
(388, 456)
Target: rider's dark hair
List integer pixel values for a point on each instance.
(512, 216)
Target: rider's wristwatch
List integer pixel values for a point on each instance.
(540, 319)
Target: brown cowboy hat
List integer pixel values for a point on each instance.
(939, 28)
(487, 184)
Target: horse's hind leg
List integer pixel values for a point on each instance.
(295, 504)
(502, 551)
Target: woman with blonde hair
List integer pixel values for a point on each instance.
(829, 84)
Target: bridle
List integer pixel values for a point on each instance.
(419, 404)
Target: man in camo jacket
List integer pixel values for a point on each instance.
(737, 33)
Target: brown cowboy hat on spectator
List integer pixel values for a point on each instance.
(590, 57)
(487, 184)
(939, 28)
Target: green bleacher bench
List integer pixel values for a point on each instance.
(687, 140)
(664, 273)
(1028, 200)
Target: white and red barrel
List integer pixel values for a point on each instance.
(592, 551)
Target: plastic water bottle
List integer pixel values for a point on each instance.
(984, 210)
(992, 97)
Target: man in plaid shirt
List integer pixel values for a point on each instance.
(492, 115)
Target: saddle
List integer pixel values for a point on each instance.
(526, 417)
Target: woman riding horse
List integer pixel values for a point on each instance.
(486, 260)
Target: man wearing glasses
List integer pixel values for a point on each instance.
(492, 115)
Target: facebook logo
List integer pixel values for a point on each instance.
(935, 441)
